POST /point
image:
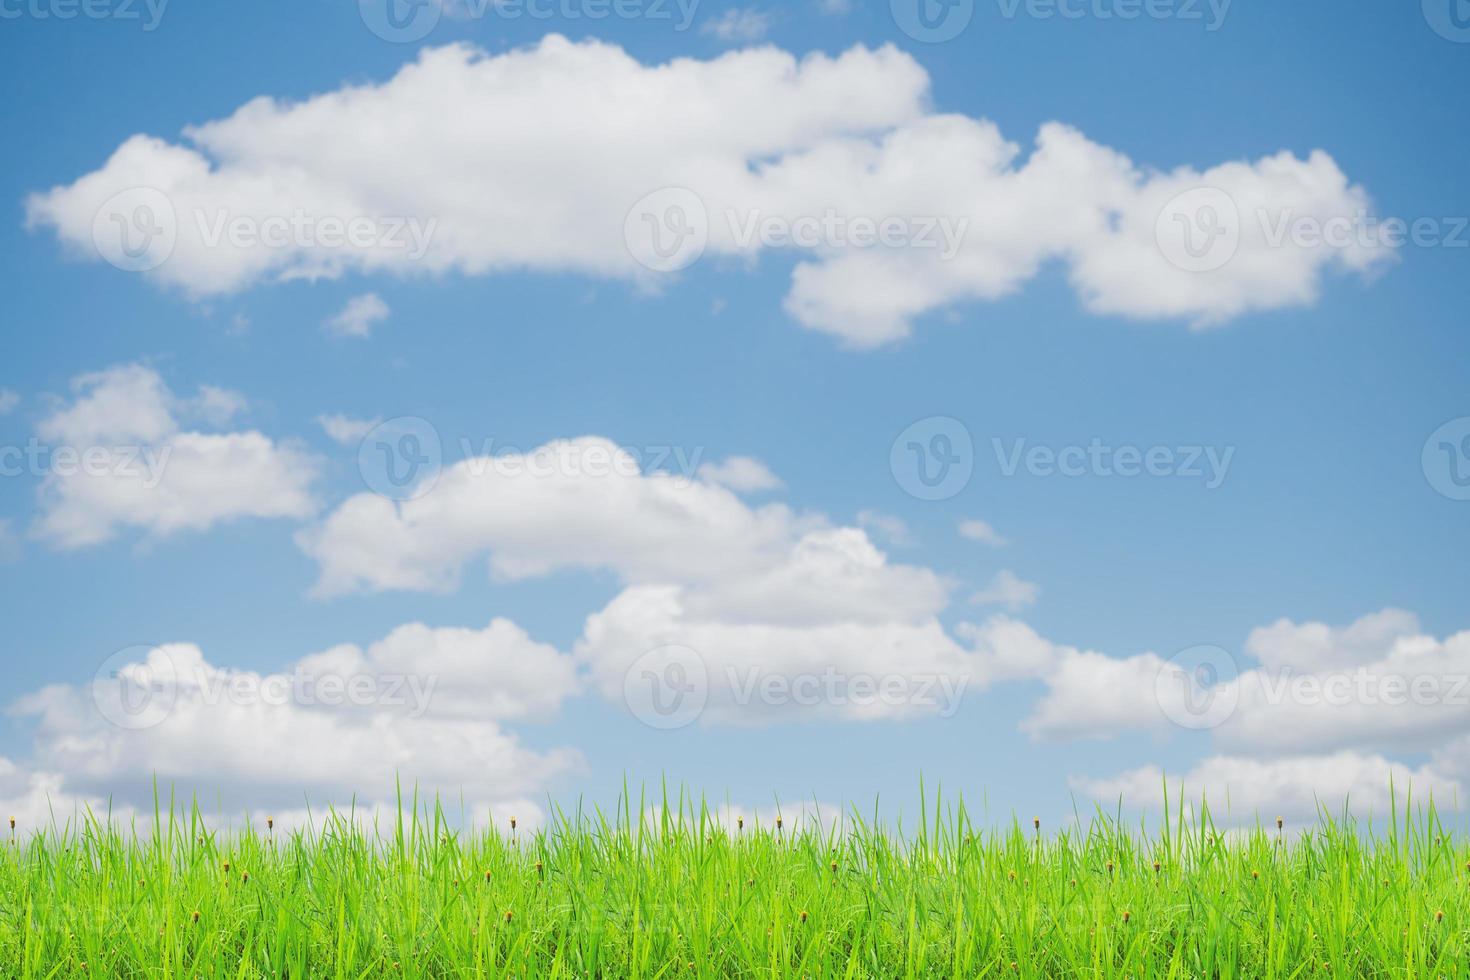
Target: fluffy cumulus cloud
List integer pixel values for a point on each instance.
(118, 455)
(760, 594)
(1297, 788)
(1324, 713)
(562, 156)
(422, 705)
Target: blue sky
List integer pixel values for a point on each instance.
(1324, 516)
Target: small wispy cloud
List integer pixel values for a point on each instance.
(356, 319)
(743, 474)
(739, 24)
(345, 429)
(977, 530)
(891, 529)
(1006, 589)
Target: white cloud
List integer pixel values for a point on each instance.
(119, 458)
(344, 429)
(977, 530)
(1006, 589)
(357, 318)
(8, 401)
(1295, 787)
(495, 673)
(581, 503)
(750, 589)
(500, 183)
(890, 528)
(835, 7)
(422, 706)
(738, 24)
(743, 474)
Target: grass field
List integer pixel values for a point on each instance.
(680, 894)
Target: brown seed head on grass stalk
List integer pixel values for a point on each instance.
(196, 915)
(1255, 874)
(1439, 915)
(803, 915)
(739, 823)
(245, 878)
(270, 823)
(778, 823)
(834, 867)
(1126, 916)
(507, 915)
(487, 875)
(1036, 822)
(512, 824)
(1110, 867)
(227, 867)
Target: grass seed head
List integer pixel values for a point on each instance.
(196, 915)
(803, 915)
(507, 915)
(1439, 915)
(1126, 916)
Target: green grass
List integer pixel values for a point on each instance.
(681, 895)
